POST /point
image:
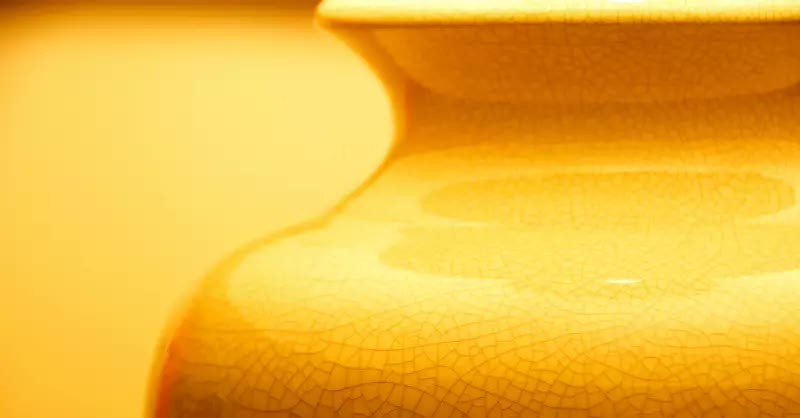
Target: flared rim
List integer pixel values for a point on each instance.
(464, 12)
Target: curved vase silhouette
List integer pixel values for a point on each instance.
(590, 210)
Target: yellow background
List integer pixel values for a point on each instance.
(138, 145)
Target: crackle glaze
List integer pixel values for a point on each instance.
(591, 210)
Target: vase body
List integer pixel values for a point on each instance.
(570, 224)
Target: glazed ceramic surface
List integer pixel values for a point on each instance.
(591, 210)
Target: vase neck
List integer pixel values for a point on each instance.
(453, 85)
(434, 122)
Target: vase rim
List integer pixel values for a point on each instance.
(467, 12)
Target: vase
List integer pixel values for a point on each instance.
(590, 210)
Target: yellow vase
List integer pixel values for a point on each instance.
(590, 210)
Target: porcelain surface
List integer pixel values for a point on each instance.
(559, 231)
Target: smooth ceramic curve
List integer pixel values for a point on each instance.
(591, 210)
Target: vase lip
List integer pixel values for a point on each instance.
(476, 12)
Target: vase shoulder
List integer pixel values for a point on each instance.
(622, 288)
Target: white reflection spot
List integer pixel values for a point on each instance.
(623, 281)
